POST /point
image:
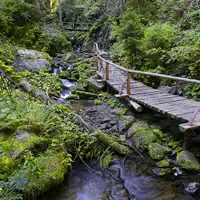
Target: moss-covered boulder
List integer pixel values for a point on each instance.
(32, 60)
(187, 161)
(41, 173)
(157, 151)
(13, 150)
(143, 137)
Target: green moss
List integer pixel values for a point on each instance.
(106, 161)
(10, 71)
(174, 144)
(6, 166)
(163, 163)
(86, 95)
(157, 151)
(98, 101)
(143, 137)
(123, 111)
(73, 96)
(164, 171)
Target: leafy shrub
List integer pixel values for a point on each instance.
(157, 41)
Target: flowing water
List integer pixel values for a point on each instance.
(120, 182)
(66, 83)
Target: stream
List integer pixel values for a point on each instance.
(134, 183)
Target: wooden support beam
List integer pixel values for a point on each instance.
(186, 127)
(121, 96)
(107, 71)
(101, 80)
(136, 106)
(128, 83)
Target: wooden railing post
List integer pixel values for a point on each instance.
(98, 63)
(107, 71)
(128, 83)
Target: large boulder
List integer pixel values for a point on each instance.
(32, 60)
(187, 161)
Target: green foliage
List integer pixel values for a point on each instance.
(53, 39)
(16, 20)
(44, 81)
(157, 41)
(128, 33)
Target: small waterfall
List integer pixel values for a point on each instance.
(65, 82)
(55, 70)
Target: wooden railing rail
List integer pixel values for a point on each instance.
(150, 73)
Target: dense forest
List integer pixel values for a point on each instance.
(40, 138)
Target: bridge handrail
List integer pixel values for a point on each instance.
(151, 73)
(147, 73)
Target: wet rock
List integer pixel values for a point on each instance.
(32, 60)
(125, 122)
(177, 171)
(161, 171)
(106, 120)
(113, 122)
(121, 125)
(115, 110)
(157, 151)
(143, 138)
(187, 161)
(103, 126)
(22, 136)
(163, 163)
(192, 187)
(133, 129)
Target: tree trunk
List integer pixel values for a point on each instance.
(60, 12)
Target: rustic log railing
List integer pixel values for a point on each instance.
(104, 65)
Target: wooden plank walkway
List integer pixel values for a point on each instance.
(174, 106)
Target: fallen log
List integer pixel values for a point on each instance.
(113, 142)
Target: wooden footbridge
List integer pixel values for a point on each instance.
(174, 106)
(75, 26)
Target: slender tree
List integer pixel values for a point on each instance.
(60, 12)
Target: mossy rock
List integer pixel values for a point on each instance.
(143, 137)
(157, 151)
(163, 163)
(162, 171)
(134, 127)
(187, 161)
(32, 60)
